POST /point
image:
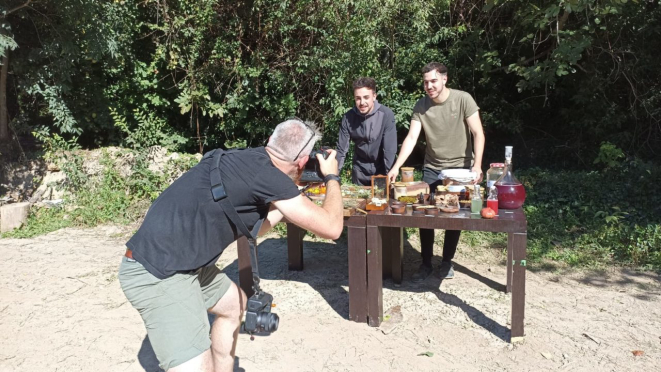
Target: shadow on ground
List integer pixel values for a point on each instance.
(326, 271)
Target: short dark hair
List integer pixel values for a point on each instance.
(365, 82)
(429, 67)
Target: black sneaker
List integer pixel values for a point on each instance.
(422, 273)
(446, 270)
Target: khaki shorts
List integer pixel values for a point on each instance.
(174, 309)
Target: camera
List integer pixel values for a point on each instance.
(311, 172)
(259, 318)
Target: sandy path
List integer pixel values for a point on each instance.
(61, 309)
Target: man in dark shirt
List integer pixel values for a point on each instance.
(169, 273)
(371, 126)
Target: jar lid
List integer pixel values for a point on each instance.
(497, 165)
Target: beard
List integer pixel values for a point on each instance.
(295, 174)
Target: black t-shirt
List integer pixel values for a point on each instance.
(185, 229)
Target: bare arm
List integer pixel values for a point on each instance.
(271, 220)
(407, 148)
(475, 125)
(325, 221)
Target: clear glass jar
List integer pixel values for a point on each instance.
(493, 174)
(476, 200)
(407, 174)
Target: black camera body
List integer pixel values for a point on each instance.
(259, 318)
(311, 172)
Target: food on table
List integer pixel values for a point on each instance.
(317, 190)
(447, 200)
(352, 203)
(488, 213)
(354, 191)
(408, 199)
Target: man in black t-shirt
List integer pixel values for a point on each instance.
(169, 273)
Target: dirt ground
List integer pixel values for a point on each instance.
(61, 309)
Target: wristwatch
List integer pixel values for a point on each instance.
(332, 177)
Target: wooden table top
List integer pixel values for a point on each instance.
(506, 221)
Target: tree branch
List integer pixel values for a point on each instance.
(17, 8)
(528, 60)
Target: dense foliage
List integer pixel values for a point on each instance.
(574, 85)
(595, 217)
(556, 78)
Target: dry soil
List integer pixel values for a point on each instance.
(61, 309)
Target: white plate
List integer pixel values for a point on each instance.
(459, 175)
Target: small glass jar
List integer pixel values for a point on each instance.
(400, 189)
(407, 174)
(493, 174)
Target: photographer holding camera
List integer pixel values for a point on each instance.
(168, 272)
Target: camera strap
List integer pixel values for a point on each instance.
(220, 196)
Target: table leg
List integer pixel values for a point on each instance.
(510, 249)
(374, 276)
(393, 251)
(518, 283)
(295, 237)
(245, 269)
(387, 250)
(357, 274)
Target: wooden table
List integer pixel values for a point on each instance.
(384, 235)
(375, 244)
(357, 265)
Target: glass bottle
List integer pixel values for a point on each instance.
(493, 174)
(492, 199)
(476, 200)
(511, 193)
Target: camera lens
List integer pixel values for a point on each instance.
(268, 322)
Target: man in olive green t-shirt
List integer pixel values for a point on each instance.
(449, 117)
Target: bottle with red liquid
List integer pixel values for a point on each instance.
(511, 193)
(492, 200)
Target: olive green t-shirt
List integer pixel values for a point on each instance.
(449, 141)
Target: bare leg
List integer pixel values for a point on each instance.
(225, 330)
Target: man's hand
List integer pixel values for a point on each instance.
(392, 175)
(479, 173)
(329, 165)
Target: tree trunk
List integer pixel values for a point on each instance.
(4, 119)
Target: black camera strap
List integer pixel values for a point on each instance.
(220, 196)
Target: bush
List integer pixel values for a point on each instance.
(108, 197)
(593, 218)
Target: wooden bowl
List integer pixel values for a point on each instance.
(423, 207)
(431, 211)
(449, 210)
(398, 208)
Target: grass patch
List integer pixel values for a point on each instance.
(107, 197)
